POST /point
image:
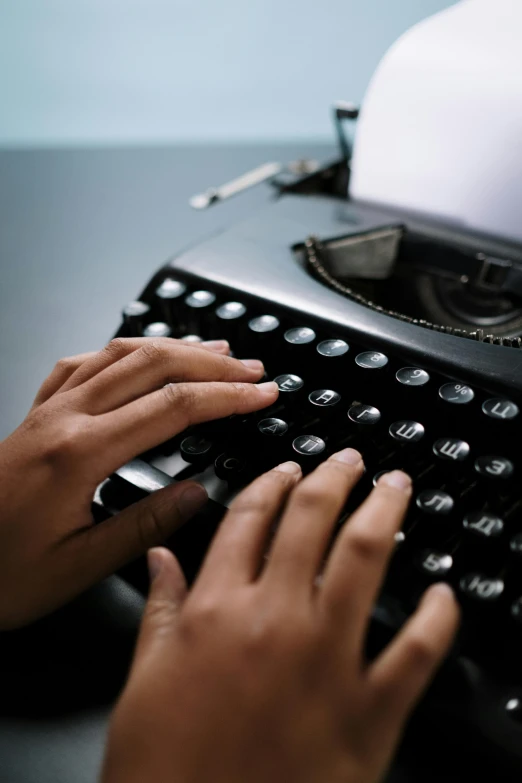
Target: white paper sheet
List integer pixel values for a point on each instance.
(440, 129)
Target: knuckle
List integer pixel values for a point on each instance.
(64, 365)
(117, 348)
(422, 651)
(66, 445)
(203, 613)
(282, 629)
(181, 397)
(254, 498)
(159, 611)
(151, 526)
(173, 394)
(261, 636)
(224, 364)
(155, 351)
(308, 494)
(367, 545)
(239, 390)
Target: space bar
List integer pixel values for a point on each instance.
(143, 476)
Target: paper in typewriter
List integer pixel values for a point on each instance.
(440, 130)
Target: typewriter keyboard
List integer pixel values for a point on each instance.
(460, 444)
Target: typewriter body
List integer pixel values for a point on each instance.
(444, 407)
(396, 334)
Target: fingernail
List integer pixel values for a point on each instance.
(268, 387)
(396, 479)
(154, 562)
(348, 456)
(192, 500)
(443, 589)
(253, 364)
(216, 345)
(289, 467)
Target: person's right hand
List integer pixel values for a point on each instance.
(94, 413)
(258, 674)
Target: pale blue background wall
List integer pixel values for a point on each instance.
(84, 71)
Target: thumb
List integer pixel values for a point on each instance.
(145, 524)
(167, 592)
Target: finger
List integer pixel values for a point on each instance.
(153, 419)
(106, 547)
(167, 593)
(356, 566)
(123, 346)
(236, 554)
(154, 365)
(309, 520)
(62, 371)
(404, 670)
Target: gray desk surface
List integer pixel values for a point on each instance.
(80, 234)
(81, 231)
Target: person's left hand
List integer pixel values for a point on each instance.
(92, 415)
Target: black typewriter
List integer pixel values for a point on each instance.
(397, 336)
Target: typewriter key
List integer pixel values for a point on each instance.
(324, 398)
(406, 431)
(481, 587)
(371, 360)
(200, 299)
(364, 415)
(157, 329)
(412, 376)
(230, 467)
(494, 467)
(262, 336)
(229, 319)
(263, 324)
(435, 501)
(197, 315)
(310, 450)
(332, 348)
(456, 393)
(484, 525)
(272, 427)
(500, 409)
(134, 316)
(516, 545)
(196, 449)
(231, 311)
(291, 385)
(300, 336)
(168, 301)
(170, 289)
(451, 449)
(516, 610)
(434, 564)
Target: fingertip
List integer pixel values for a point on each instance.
(253, 364)
(396, 479)
(349, 457)
(442, 590)
(218, 346)
(443, 593)
(157, 559)
(289, 467)
(191, 499)
(268, 388)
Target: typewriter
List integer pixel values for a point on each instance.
(396, 334)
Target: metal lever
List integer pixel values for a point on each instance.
(143, 476)
(248, 180)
